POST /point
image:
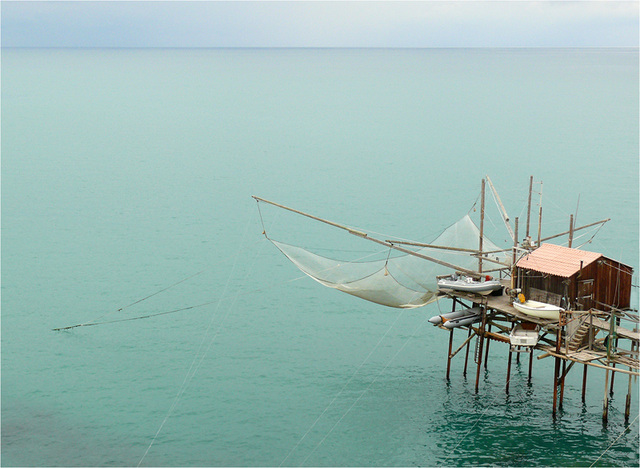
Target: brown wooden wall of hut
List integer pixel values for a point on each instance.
(613, 284)
(599, 285)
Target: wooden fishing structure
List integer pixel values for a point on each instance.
(595, 327)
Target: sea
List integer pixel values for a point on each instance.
(127, 184)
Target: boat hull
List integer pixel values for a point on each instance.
(466, 285)
(538, 309)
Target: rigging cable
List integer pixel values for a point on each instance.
(198, 357)
(611, 445)
(364, 391)
(342, 389)
(94, 321)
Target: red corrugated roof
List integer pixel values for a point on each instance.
(557, 260)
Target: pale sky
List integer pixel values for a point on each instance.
(470, 23)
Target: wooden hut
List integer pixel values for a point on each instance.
(574, 279)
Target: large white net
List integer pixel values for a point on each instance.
(405, 281)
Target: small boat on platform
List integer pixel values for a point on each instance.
(538, 309)
(458, 318)
(524, 334)
(469, 284)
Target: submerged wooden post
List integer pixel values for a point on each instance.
(584, 383)
(453, 308)
(627, 406)
(556, 371)
(509, 367)
(481, 338)
(564, 368)
(486, 354)
(530, 365)
(449, 354)
(466, 357)
(605, 404)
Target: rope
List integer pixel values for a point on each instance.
(195, 364)
(611, 445)
(363, 392)
(93, 322)
(342, 389)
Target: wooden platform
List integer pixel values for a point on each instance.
(502, 315)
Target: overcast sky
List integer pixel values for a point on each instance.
(320, 24)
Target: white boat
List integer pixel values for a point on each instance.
(468, 284)
(524, 334)
(538, 309)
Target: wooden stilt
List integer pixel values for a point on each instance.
(605, 404)
(555, 385)
(453, 308)
(449, 354)
(584, 383)
(613, 374)
(481, 338)
(509, 370)
(530, 365)
(556, 371)
(466, 357)
(564, 368)
(486, 354)
(627, 406)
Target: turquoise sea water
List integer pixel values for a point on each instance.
(127, 171)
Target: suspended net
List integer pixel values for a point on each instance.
(405, 281)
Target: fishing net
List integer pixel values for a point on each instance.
(405, 281)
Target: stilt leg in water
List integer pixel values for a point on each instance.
(449, 354)
(509, 371)
(466, 357)
(584, 383)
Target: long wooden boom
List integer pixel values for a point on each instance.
(364, 235)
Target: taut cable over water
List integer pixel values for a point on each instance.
(95, 321)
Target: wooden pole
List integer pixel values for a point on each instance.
(529, 206)
(481, 338)
(556, 370)
(486, 354)
(584, 383)
(453, 308)
(605, 404)
(481, 227)
(564, 368)
(570, 230)
(539, 227)
(530, 365)
(449, 355)
(466, 357)
(627, 406)
(503, 212)
(509, 367)
(364, 235)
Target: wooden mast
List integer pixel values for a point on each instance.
(529, 206)
(481, 227)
